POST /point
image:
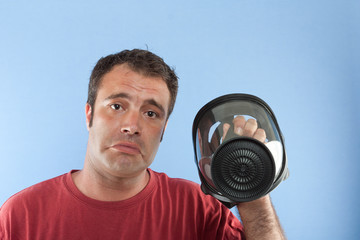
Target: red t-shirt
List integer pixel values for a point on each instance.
(167, 208)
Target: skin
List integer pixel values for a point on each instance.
(130, 116)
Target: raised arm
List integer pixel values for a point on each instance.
(259, 217)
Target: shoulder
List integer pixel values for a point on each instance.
(34, 194)
(30, 203)
(186, 196)
(178, 183)
(184, 190)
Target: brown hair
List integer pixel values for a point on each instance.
(141, 61)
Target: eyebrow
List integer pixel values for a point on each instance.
(150, 101)
(118, 95)
(156, 104)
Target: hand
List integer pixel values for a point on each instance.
(245, 128)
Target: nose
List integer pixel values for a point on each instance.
(130, 123)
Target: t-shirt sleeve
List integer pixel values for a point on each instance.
(7, 219)
(219, 220)
(230, 227)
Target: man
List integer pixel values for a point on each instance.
(116, 195)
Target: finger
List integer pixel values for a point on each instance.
(260, 135)
(250, 127)
(226, 127)
(239, 124)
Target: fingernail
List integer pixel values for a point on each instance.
(239, 130)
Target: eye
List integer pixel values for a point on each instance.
(151, 114)
(115, 106)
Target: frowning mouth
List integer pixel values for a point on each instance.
(127, 147)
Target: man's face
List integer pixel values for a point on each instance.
(130, 115)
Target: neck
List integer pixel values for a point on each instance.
(109, 188)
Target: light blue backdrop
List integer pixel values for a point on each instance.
(301, 57)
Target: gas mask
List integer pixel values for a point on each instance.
(235, 168)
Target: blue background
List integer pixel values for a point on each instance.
(301, 57)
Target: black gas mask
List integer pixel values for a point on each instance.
(235, 168)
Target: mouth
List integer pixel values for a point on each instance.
(127, 147)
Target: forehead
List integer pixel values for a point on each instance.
(122, 78)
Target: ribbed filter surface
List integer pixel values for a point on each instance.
(243, 170)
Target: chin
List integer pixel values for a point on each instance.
(126, 170)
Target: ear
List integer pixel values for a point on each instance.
(162, 135)
(88, 114)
